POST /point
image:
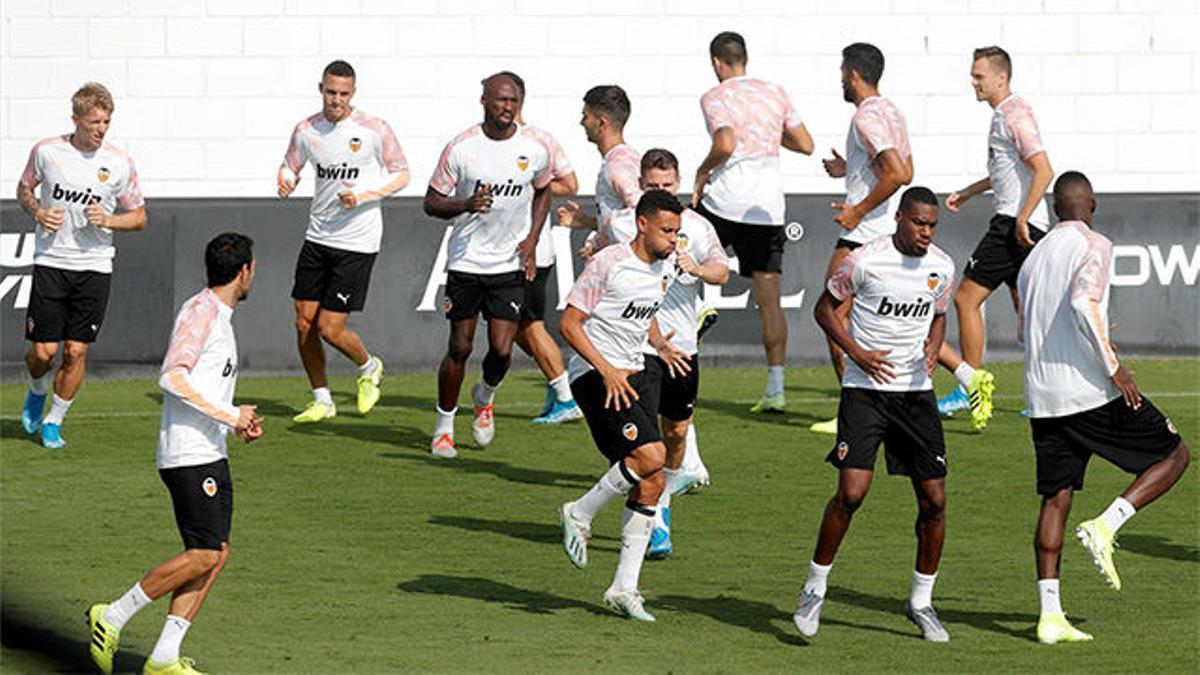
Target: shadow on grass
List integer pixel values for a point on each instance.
(995, 622)
(370, 432)
(516, 474)
(759, 617)
(65, 648)
(1159, 547)
(11, 431)
(741, 410)
(266, 407)
(539, 533)
(512, 597)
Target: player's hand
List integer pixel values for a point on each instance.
(835, 166)
(252, 432)
(931, 356)
(1021, 234)
(586, 250)
(96, 215)
(617, 390)
(956, 200)
(527, 248)
(676, 359)
(50, 219)
(848, 215)
(249, 424)
(875, 364)
(687, 263)
(286, 186)
(481, 201)
(1123, 380)
(698, 188)
(348, 199)
(568, 216)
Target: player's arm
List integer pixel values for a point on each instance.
(528, 247)
(724, 142)
(797, 139)
(288, 175)
(49, 219)
(1039, 163)
(574, 217)
(564, 186)
(892, 173)
(934, 340)
(391, 158)
(873, 363)
(129, 221)
(439, 205)
(1087, 293)
(618, 392)
(675, 358)
(710, 272)
(957, 199)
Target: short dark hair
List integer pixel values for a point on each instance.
(996, 56)
(1070, 179)
(609, 100)
(338, 68)
(918, 194)
(225, 256)
(659, 158)
(866, 60)
(729, 47)
(654, 201)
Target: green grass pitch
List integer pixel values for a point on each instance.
(353, 550)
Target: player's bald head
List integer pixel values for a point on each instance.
(1073, 197)
(493, 83)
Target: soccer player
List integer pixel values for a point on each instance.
(493, 182)
(901, 286)
(739, 190)
(1081, 400)
(358, 162)
(83, 181)
(610, 314)
(199, 375)
(699, 257)
(1018, 174)
(877, 164)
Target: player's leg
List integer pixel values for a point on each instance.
(309, 284)
(495, 366)
(760, 254)
(637, 523)
(39, 361)
(349, 283)
(45, 328)
(931, 534)
(674, 433)
(559, 405)
(836, 357)
(85, 304)
(450, 378)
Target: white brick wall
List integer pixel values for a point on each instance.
(208, 90)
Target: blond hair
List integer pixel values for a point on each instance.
(91, 95)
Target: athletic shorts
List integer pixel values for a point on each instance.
(906, 422)
(203, 500)
(998, 257)
(676, 395)
(534, 307)
(1134, 440)
(498, 296)
(618, 433)
(759, 248)
(338, 279)
(66, 305)
(847, 244)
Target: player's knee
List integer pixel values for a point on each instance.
(499, 354)
(203, 560)
(849, 499)
(44, 352)
(458, 350)
(933, 507)
(647, 460)
(74, 354)
(304, 325)
(675, 433)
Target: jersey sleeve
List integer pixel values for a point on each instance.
(1088, 287)
(716, 114)
(31, 177)
(187, 342)
(1024, 133)
(446, 174)
(791, 116)
(391, 155)
(130, 197)
(589, 287)
(844, 282)
(711, 249)
(296, 155)
(876, 134)
(560, 164)
(624, 173)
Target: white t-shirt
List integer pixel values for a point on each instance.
(198, 375)
(486, 243)
(896, 297)
(748, 188)
(620, 294)
(1012, 139)
(357, 154)
(71, 180)
(1063, 287)
(618, 185)
(877, 125)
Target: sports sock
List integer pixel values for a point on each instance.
(58, 410)
(484, 394)
(41, 385)
(922, 590)
(167, 649)
(818, 576)
(121, 610)
(1048, 592)
(963, 373)
(369, 367)
(1117, 513)
(615, 482)
(691, 451)
(562, 388)
(322, 395)
(636, 525)
(774, 381)
(445, 422)
(664, 499)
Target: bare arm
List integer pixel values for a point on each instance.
(564, 186)
(956, 199)
(439, 205)
(618, 390)
(724, 141)
(711, 272)
(797, 139)
(892, 173)
(1042, 175)
(933, 341)
(393, 184)
(528, 247)
(49, 219)
(130, 221)
(873, 363)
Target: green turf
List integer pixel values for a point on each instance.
(354, 550)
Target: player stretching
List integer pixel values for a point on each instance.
(610, 315)
(358, 162)
(1018, 174)
(1081, 400)
(877, 164)
(199, 375)
(900, 286)
(493, 181)
(83, 180)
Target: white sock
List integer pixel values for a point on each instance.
(484, 394)
(615, 482)
(41, 385)
(664, 500)
(445, 422)
(774, 380)
(562, 388)
(963, 372)
(922, 590)
(369, 367)
(58, 410)
(635, 537)
(691, 452)
(1048, 592)
(167, 649)
(121, 610)
(322, 395)
(818, 576)
(1117, 513)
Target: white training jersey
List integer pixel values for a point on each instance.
(748, 187)
(1063, 287)
(877, 125)
(896, 297)
(358, 154)
(698, 239)
(71, 180)
(198, 375)
(1012, 140)
(560, 167)
(618, 185)
(486, 243)
(620, 294)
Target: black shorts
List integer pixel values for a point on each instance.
(338, 279)
(676, 395)
(498, 296)
(66, 305)
(998, 257)
(847, 244)
(203, 500)
(534, 307)
(1134, 440)
(759, 248)
(907, 423)
(618, 433)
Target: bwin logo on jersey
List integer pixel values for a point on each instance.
(228, 369)
(103, 173)
(74, 196)
(342, 172)
(355, 144)
(632, 311)
(506, 189)
(904, 309)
